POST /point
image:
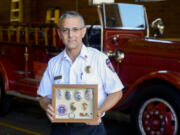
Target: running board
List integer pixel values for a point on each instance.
(17, 94)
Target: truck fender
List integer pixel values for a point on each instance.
(167, 76)
(6, 73)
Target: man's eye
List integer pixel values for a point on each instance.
(64, 30)
(75, 29)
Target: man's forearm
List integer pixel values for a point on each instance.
(110, 101)
(44, 102)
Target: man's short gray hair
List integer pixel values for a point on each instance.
(71, 14)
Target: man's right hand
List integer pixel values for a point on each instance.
(45, 103)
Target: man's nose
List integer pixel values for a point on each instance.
(70, 33)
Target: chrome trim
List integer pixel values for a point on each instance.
(101, 23)
(146, 22)
(118, 55)
(104, 11)
(159, 41)
(125, 28)
(140, 116)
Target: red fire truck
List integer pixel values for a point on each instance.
(149, 68)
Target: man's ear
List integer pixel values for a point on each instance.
(84, 31)
(59, 33)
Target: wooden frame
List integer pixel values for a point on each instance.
(74, 103)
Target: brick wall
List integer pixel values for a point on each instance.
(35, 11)
(4, 10)
(89, 13)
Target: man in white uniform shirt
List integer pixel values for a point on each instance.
(79, 64)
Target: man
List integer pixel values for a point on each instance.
(71, 65)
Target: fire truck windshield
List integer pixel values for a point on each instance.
(124, 16)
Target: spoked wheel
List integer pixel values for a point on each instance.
(157, 117)
(156, 111)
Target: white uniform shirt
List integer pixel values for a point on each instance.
(75, 73)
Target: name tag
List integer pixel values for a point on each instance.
(58, 77)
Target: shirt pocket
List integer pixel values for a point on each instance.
(57, 82)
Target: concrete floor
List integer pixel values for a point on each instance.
(27, 118)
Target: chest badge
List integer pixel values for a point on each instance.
(88, 69)
(77, 95)
(68, 95)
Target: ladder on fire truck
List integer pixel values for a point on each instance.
(17, 32)
(16, 13)
(52, 15)
(37, 34)
(25, 35)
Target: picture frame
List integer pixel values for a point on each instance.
(74, 103)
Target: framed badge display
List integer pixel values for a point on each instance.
(74, 103)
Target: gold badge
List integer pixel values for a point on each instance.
(88, 69)
(73, 107)
(84, 106)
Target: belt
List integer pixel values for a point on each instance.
(69, 124)
(75, 124)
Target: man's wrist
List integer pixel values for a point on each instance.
(44, 102)
(100, 113)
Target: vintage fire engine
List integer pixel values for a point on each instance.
(149, 68)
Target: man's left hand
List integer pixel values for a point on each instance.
(97, 122)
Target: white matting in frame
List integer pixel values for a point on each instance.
(74, 102)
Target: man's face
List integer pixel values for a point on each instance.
(71, 32)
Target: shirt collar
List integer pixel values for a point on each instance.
(83, 53)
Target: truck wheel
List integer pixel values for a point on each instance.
(1, 96)
(157, 111)
(5, 102)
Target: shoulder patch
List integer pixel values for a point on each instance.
(110, 66)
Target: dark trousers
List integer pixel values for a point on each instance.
(77, 129)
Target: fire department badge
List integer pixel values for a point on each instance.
(59, 93)
(71, 115)
(108, 63)
(61, 110)
(88, 69)
(88, 94)
(68, 95)
(73, 107)
(84, 106)
(77, 95)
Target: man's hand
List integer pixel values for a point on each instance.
(50, 112)
(110, 101)
(96, 122)
(45, 103)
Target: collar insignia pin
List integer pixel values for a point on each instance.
(88, 69)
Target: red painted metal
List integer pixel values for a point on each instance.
(22, 63)
(145, 60)
(124, 35)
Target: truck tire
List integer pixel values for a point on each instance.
(157, 111)
(5, 102)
